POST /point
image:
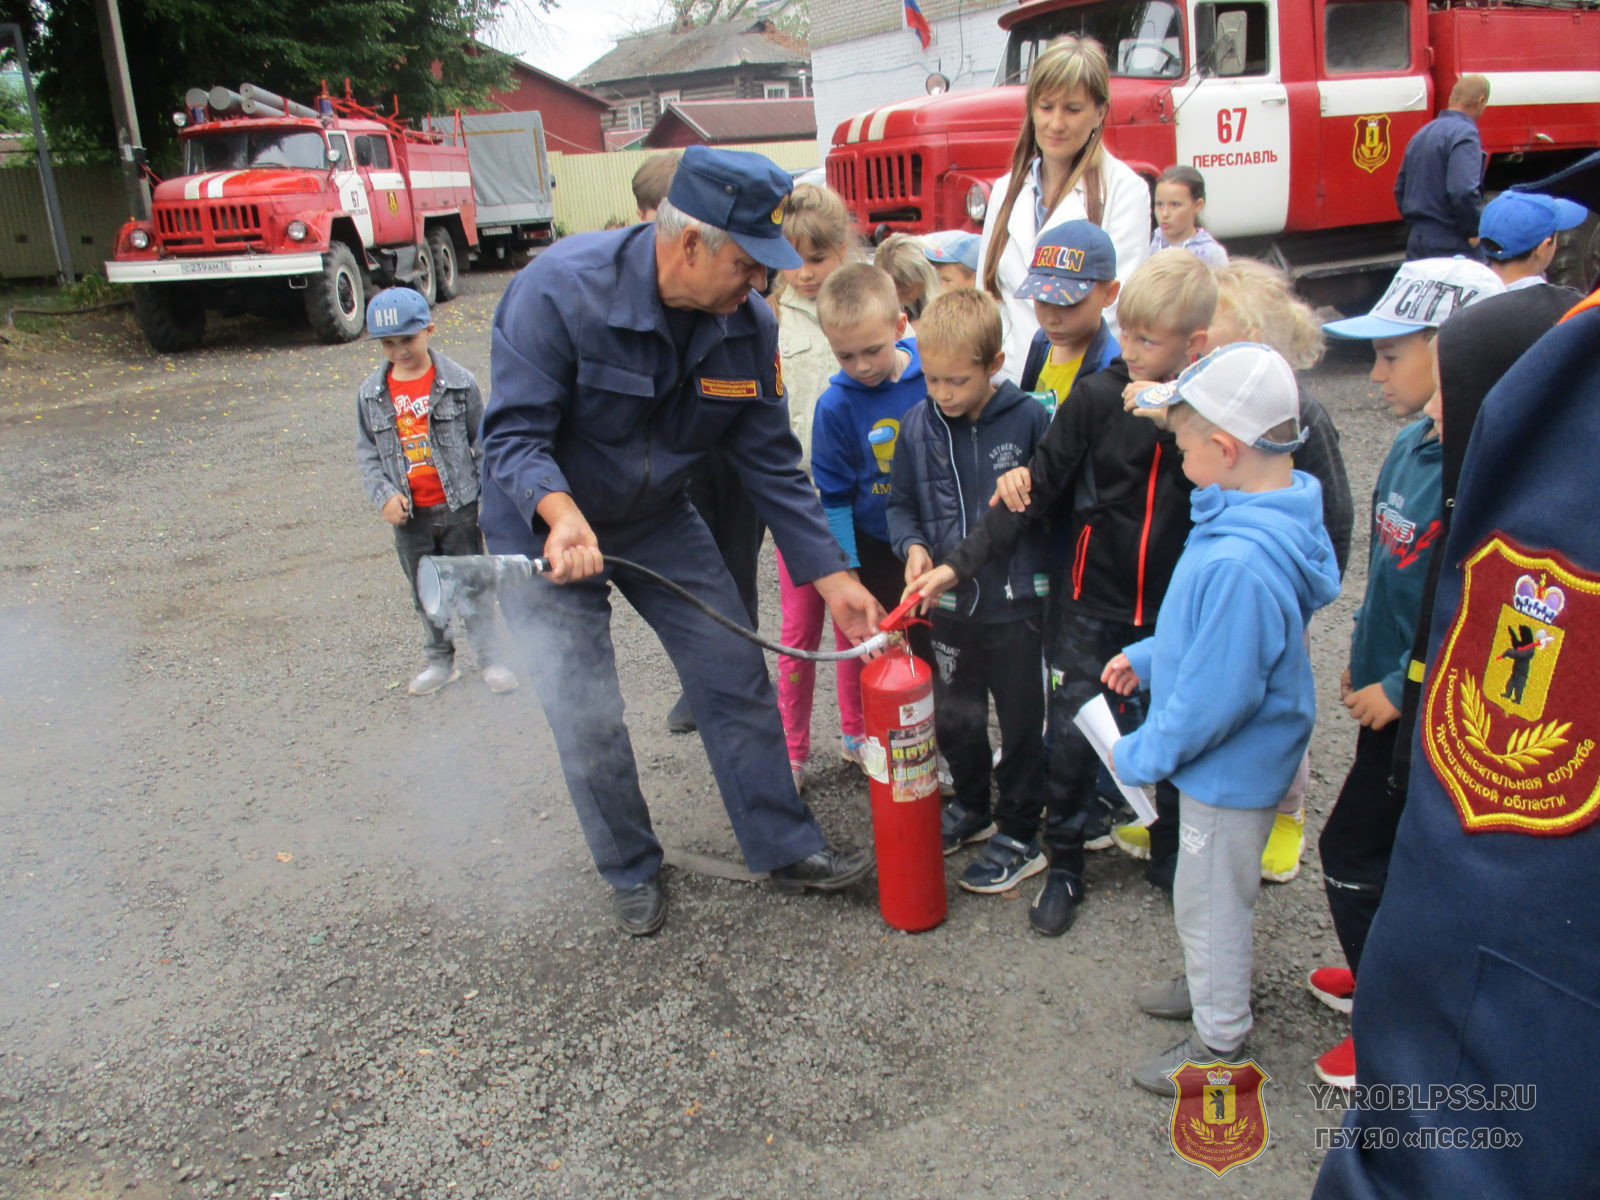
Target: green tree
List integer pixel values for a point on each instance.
(420, 52)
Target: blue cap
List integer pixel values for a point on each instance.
(955, 247)
(397, 311)
(1516, 222)
(740, 192)
(1067, 262)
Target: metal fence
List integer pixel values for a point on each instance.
(591, 189)
(93, 208)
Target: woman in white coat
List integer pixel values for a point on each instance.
(1060, 171)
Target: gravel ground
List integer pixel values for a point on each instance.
(275, 929)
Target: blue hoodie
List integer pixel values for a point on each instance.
(1232, 697)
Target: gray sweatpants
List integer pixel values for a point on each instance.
(1213, 901)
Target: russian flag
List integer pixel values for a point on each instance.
(918, 23)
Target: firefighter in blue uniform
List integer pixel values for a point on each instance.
(1483, 966)
(618, 359)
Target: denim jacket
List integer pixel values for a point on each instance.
(454, 418)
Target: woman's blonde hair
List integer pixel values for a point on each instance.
(815, 216)
(906, 259)
(1265, 308)
(1068, 64)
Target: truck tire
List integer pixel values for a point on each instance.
(336, 299)
(425, 279)
(170, 316)
(442, 249)
(1577, 260)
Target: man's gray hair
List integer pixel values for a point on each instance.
(670, 222)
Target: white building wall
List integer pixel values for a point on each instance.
(852, 76)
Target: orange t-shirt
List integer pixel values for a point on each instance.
(412, 399)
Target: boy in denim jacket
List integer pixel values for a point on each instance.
(417, 422)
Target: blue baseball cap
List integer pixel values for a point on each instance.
(1067, 262)
(397, 311)
(1513, 223)
(740, 192)
(954, 247)
(1422, 295)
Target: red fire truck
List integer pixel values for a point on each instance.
(281, 205)
(1296, 111)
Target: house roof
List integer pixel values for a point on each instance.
(624, 139)
(722, 121)
(527, 68)
(721, 46)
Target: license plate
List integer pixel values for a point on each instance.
(206, 268)
(493, 230)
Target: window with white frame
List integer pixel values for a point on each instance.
(777, 91)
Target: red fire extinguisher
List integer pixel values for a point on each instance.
(902, 762)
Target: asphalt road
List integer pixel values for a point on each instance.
(272, 928)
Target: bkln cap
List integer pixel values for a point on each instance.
(397, 311)
(1423, 295)
(1067, 262)
(1516, 222)
(740, 192)
(1244, 389)
(957, 247)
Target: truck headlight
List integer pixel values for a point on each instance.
(295, 231)
(977, 202)
(139, 239)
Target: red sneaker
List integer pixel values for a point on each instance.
(1338, 1066)
(1334, 986)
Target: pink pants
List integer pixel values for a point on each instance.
(803, 616)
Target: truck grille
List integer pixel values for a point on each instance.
(891, 177)
(208, 226)
(879, 187)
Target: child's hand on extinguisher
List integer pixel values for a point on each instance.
(1119, 676)
(930, 585)
(918, 563)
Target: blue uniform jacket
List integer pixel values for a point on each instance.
(590, 396)
(1441, 175)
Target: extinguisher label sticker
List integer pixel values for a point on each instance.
(917, 711)
(914, 764)
(875, 760)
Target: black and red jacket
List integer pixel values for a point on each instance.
(1116, 482)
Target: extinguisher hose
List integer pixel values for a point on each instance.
(874, 643)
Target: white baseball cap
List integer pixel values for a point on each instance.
(1423, 295)
(1244, 389)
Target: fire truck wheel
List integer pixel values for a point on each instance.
(443, 250)
(1577, 260)
(424, 279)
(335, 300)
(171, 319)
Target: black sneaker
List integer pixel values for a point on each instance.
(961, 825)
(1056, 906)
(1003, 863)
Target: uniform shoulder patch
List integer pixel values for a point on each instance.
(1512, 712)
(1218, 1119)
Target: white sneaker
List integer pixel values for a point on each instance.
(433, 677)
(500, 679)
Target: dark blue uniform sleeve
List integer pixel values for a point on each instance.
(1463, 179)
(532, 367)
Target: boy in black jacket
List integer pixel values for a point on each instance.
(1123, 484)
(953, 448)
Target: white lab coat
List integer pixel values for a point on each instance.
(1126, 221)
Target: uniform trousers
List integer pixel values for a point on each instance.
(567, 633)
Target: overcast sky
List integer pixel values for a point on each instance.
(573, 35)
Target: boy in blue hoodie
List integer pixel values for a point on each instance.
(954, 446)
(1232, 696)
(857, 420)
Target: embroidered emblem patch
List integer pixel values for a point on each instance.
(727, 389)
(1218, 1119)
(1509, 728)
(1061, 258)
(1371, 149)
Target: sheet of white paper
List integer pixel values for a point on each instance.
(1100, 727)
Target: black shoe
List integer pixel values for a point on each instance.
(1056, 906)
(642, 908)
(960, 825)
(824, 871)
(681, 718)
(1160, 873)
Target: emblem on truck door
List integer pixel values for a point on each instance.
(1371, 150)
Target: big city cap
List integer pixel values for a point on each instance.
(740, 192)
(1513, 223)
(953, 246)
(1244, 389)
(1068, 261)
(1422, 295)
(396, 312)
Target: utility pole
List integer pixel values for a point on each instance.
(130, 147)
(47, 177)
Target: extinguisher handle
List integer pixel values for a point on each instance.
(901, 617)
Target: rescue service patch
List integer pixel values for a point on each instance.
(1218, 1119)
(1371, 150)
(1062, 258)
(727, 389)
(1510, 721)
